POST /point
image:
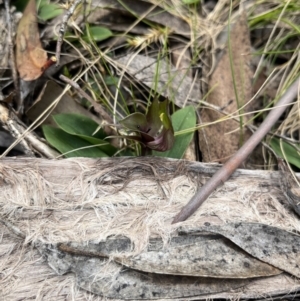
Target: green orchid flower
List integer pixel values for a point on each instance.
(154, 130)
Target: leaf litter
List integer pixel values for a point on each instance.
(30, 56)
(75, 240)
(180, 85)
(171, 81)
(221, 140)
(266, 243)
(114, 281)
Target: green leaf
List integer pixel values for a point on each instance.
(135, 122)
(190, 1)
(183, 119)
(77, 124)
(49, 11)
(291, 154)
(65, 143)
(84, 128)
(97, 33)
(111, 80)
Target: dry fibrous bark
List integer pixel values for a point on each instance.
(86, 217)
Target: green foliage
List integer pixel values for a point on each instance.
(183, 121)
(79, 136)
(273, 14)
(91, 34)
(48, 10)
(290, 153)
(77, 131)
(154, 129)
(135, 122)
(191, 1)
(85, 128)
(97, 33)
(71, 146)
(76, 124)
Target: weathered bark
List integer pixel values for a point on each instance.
(76, 212)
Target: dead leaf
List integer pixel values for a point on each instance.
(215, 142)
(171, 83)
(269, 244)
(131, 284)
(30, 56)
(111, 280)
(201, 257)
(137, 9)
(204, 256)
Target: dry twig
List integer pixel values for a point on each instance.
(62, 29)
(12, 56)
(27, 139)
(234, 162)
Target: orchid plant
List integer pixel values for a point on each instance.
(153, 129)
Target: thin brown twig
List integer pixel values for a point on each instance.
(62, 29)
(234, 162)
(11, 60)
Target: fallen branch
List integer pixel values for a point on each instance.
(30, 142)
(234, 162)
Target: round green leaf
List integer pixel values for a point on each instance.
(183, 119)
(97, 33)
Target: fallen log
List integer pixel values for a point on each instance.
(95, 228)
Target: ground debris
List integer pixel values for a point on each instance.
(95, 212)
(269, 244)
(109, 279)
